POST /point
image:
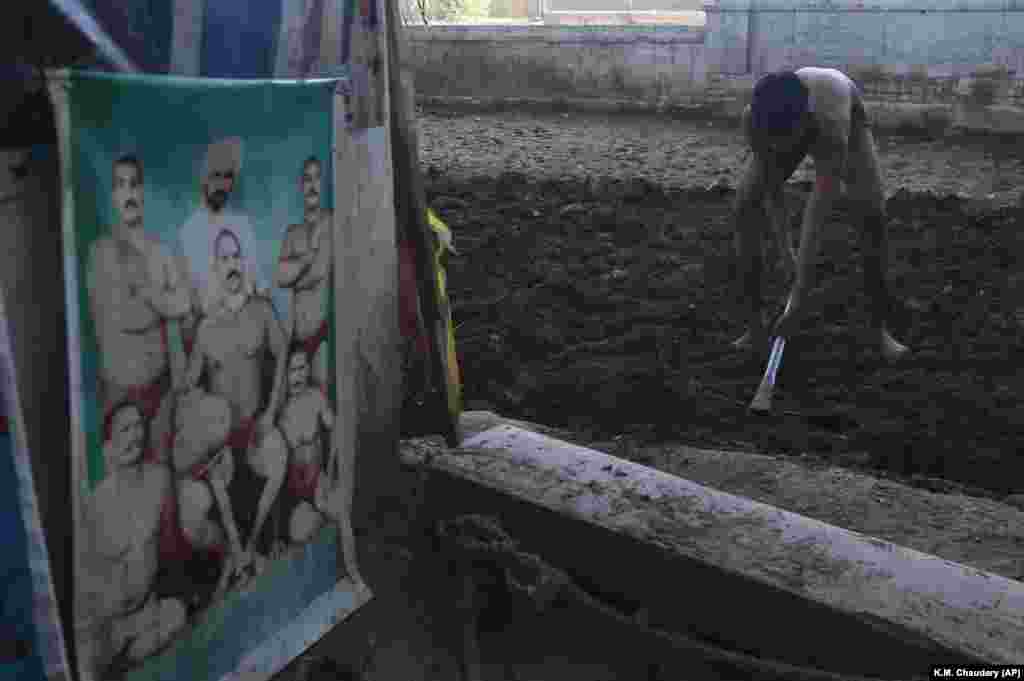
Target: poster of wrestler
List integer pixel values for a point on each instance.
(213, 480)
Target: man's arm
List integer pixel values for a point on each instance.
(327, 416)
(321, 254)
(829, 166)
(253, 261)
(167, 293)
(196, 361)
(278, 344)
(191, 320)
(292, 264)
(330, 443)
(775, 206)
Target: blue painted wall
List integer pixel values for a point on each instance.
(950, 37)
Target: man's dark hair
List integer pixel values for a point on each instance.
(131, 160)
(311, 161)
(779, 103)
(121, 405)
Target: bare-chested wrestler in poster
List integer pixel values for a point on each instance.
(307, 422)
(305, 267)
(318, 485)
(238, 332)
(135, 288)
(124, 521)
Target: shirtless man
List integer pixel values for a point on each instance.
(203, 468)
(307, 422)
(231, 343)
(305, 267)
(134, 290)
(816, 112)
(123, 521)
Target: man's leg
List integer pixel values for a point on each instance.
(152, 627)
(304, 523)
(269, 460)
(748, 215)
(775, 206)
(867, 189)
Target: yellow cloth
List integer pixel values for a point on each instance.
(443, 245)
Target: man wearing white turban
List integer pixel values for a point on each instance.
(196, 238)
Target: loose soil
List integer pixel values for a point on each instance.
(594, 290)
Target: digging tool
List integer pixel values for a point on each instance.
(762, 401)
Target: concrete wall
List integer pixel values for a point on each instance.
(597, 6)
(944, 38)
(543, 61)
(940, 62)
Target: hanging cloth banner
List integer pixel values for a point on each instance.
(347, 39)
(212, 476)
(443, 245)
(31, 639)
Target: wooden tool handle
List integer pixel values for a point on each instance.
(763, 397)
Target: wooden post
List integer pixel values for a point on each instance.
(30, 274)
(410, 201)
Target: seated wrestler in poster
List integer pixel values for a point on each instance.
(125, 521)
(313, 478)
(239, 331)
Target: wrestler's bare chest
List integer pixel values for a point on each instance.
(138, 268)
(300, 419)
(234, 338)
(316, 239)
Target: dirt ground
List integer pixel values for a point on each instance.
(594, 291)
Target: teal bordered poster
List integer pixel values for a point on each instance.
(212, 477)
(31, 640)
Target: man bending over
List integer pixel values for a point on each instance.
(817, 112)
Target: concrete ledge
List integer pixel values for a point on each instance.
(724, 109)
(625, 18)
(558, 34)
(730, 567)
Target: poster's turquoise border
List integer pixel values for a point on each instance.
(253, 615)
(230, 627)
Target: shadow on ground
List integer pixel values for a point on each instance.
(607, 307)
